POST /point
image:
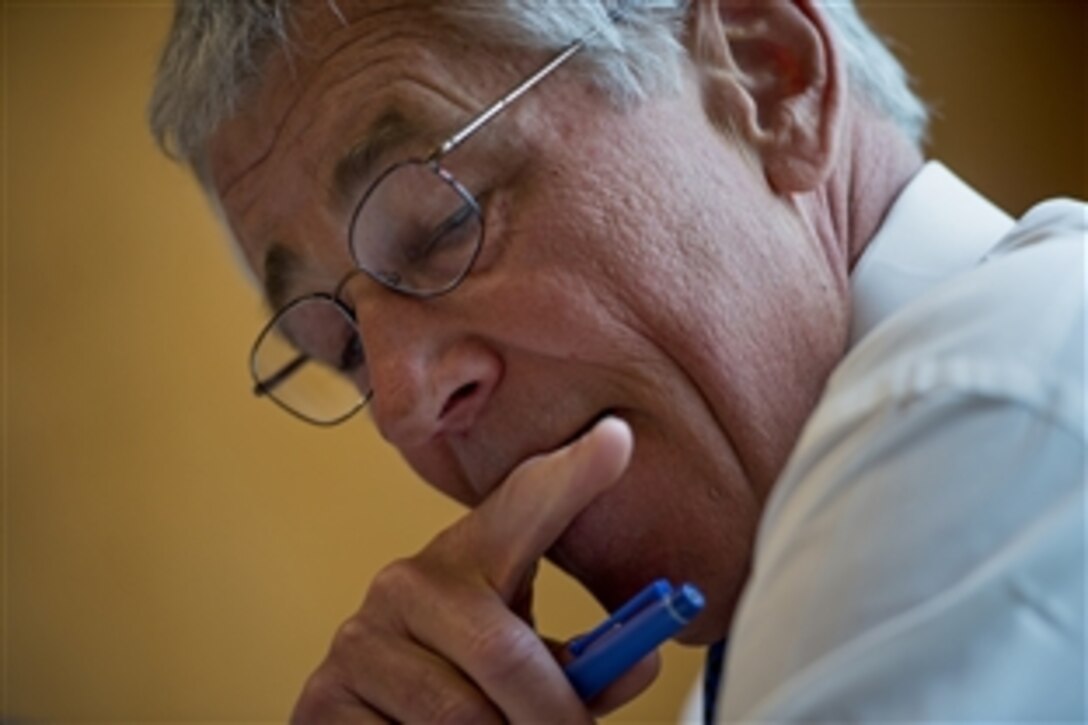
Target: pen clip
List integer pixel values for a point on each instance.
(655, 592)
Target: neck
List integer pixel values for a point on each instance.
(876, 162)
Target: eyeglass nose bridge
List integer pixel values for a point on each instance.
(338, 291)
(383, 281)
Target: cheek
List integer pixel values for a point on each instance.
(574, 249)
(553, 279)
(717, 275)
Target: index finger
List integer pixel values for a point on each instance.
(513, 528)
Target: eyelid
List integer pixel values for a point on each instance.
(488, 209)
(455, 219)
(356, 348)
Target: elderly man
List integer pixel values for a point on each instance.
(658, 289)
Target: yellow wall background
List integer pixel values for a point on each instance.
(174, 550)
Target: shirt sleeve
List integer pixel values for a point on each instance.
(923, 555)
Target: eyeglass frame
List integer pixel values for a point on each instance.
(264, 387)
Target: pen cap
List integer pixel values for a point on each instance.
(686, 602)
(616, 650)
(657, 591)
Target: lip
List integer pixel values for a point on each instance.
(581, 431)
(588, 426)
(484, 486)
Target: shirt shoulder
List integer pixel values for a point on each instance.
(1012, 327)
(922, 556)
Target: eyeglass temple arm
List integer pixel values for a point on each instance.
(519, 90)
(500, 105)
(264, 387)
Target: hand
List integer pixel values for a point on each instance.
(445, 636)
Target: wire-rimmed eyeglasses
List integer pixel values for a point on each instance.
(417, 231)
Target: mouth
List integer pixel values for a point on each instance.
(588, 426)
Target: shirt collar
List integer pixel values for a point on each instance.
(937, 227)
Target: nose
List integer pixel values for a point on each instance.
(427, 378)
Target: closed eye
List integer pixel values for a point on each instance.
(444, 233)
(353, 357)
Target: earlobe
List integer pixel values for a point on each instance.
(770, 74)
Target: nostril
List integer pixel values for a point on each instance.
(462, 393)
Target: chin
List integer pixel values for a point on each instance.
(615, 567)
(704, 630)
(614, 588)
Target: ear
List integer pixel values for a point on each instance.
(769, 72)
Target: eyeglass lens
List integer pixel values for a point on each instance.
(310, 360)
(417, 230)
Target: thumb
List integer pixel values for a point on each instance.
(513, 528)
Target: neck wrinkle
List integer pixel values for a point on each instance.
(882, 162)
(875, 162)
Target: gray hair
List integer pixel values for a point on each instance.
(216, 49)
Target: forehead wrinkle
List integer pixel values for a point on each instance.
(296, 65)
(302, 72)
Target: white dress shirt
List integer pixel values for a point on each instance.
(922, 557)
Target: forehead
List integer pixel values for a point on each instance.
(392, 72)
(299, 81)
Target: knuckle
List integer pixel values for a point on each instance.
(501, 651)
(351, 634)
(354, 638)
(318, 696)
(395, 581)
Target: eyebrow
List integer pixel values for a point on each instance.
(386, 133)
(281, 266)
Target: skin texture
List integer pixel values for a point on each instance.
(644, 263)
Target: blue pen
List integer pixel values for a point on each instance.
(632, 632)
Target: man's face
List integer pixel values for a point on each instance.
(634, 262)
